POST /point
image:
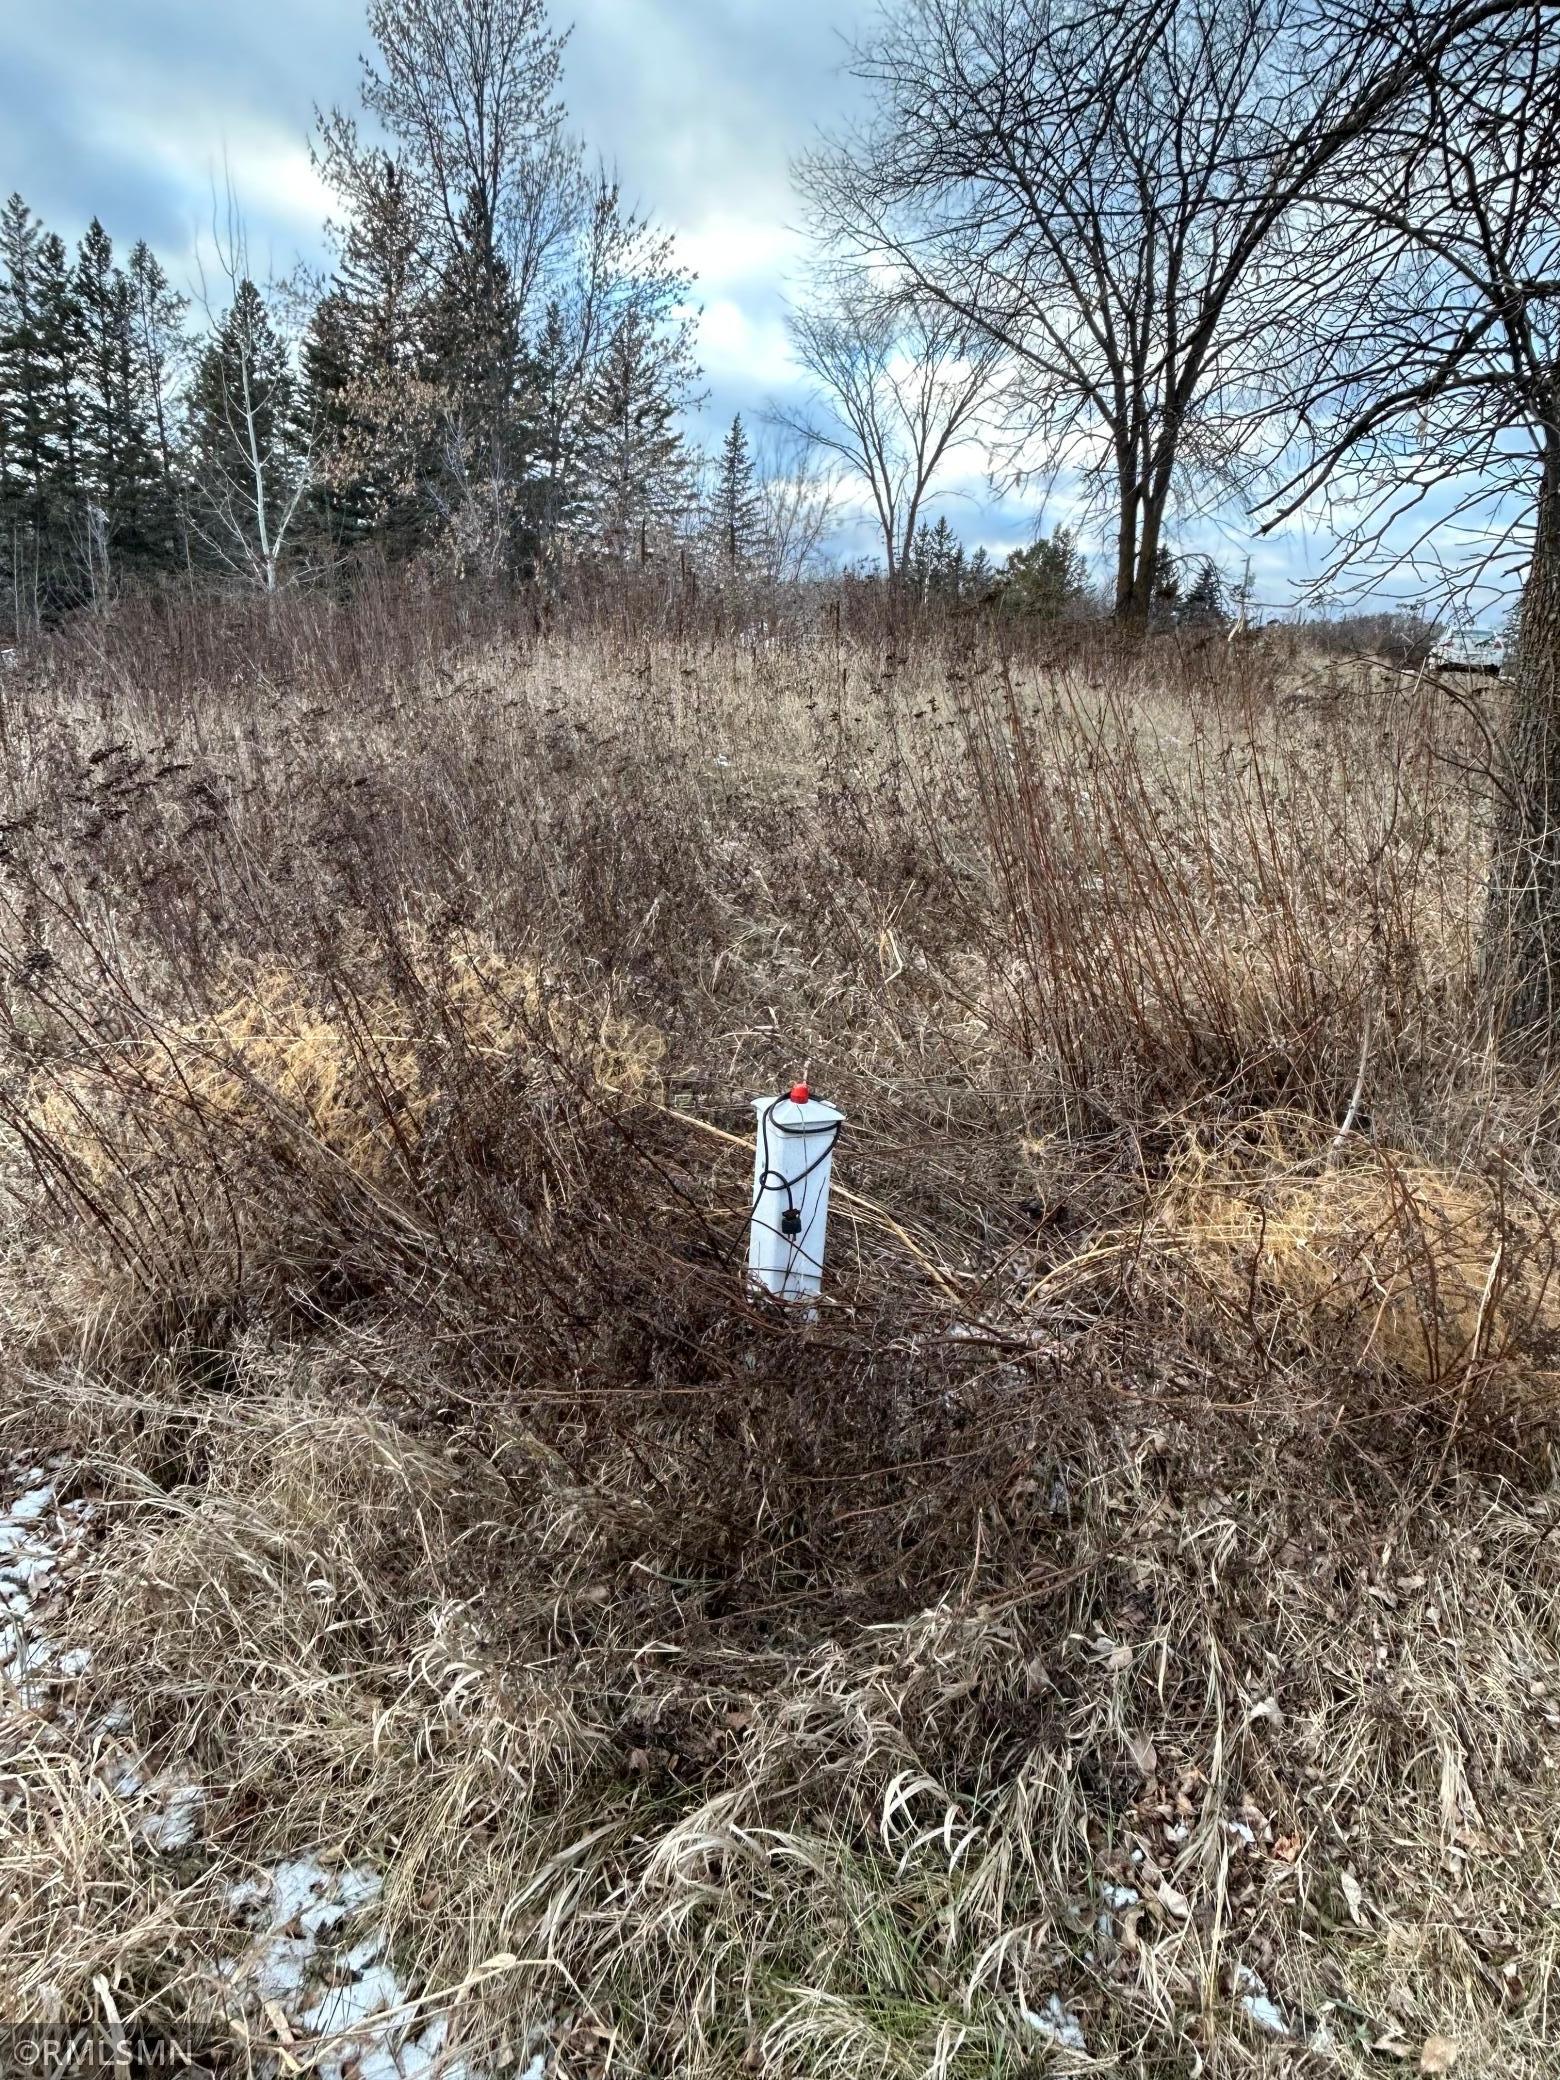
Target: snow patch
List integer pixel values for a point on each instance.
(175, 1820)
(346, 1995)
(1056, 2024)
(1263, 2012)
(37, 1533)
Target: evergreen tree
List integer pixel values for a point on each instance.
(736, 514)
(48, 547)
(23, 416)
(944, 562)
(59, 339)
(472, 367)
(340, 502)
(1166, 588)
(918, 562)
(471, 334)
(100, 317)
(935, 566)
(638, 464)
(157, 353)
(381, 282)
(25, 434)
(557, 491)
(363, 367)
(1049, 579)
(117, 460)
(1206, 604)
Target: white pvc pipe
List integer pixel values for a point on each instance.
(791, 1165)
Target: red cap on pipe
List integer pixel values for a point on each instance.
(799, 1094)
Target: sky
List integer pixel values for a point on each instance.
(132, 109)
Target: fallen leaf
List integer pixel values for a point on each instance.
(1144, 1754)
(1111, 1654)
(1353, 1895)
(1438, 2056)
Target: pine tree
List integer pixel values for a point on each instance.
(1166, 589)
(157, 354)
(384, 284)
(557, 494)
(471, 333)
(119, 474)
(944, 562)
(24, 414)
(49, 548)
(1206, 604)
(472, 367)
(918, 562)
(1049, 579)
(736, 511)
(638, 464)
(59, 339)
(99, 317)
(340, 503)
(381, 282)
(363, 365)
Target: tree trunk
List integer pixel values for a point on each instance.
(1522, 928)
(1148, 556)
(1128, 610)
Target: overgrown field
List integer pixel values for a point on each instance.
(1120, 1634)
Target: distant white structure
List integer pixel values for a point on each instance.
(791, 1163)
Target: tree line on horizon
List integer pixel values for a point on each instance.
(411, 415)
(415, 411)
(1274, 258)
(1200, 254)
(497, 371)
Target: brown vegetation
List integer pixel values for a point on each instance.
(1131, 1603)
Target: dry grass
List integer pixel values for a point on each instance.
(1439, 1284)
(1132, 1602)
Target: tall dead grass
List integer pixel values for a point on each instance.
(1126, 1616)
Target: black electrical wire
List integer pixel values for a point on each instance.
(772, 1180)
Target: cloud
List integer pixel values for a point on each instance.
(733, 251)
(128, 112)
(705, 99)
(131, 109)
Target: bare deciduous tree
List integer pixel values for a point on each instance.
(1120, 197)
(898, 384)
(250, 455)
(1443, 401)
(797, 500)
(469, 90)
